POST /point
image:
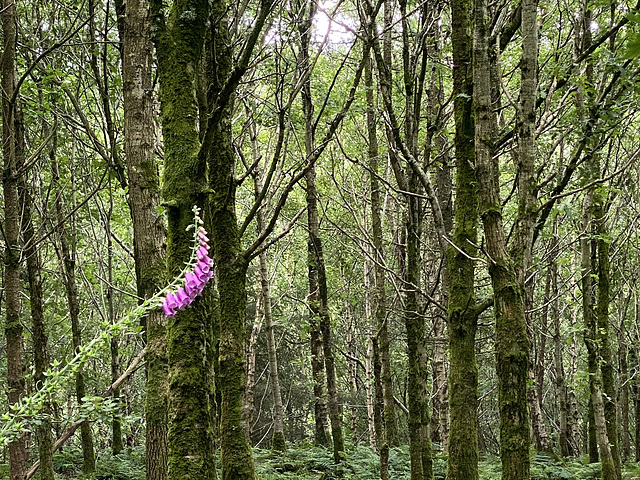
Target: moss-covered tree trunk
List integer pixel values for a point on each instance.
(179, 45)
(12, 327)
(149, 235)
(512, 342)
(462, 462)
(602, 323)
(231, 260)
(416, 346)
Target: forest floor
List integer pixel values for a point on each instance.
(313, 463)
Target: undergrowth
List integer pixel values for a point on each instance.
(307, 462)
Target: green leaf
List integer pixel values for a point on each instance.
(632, 47)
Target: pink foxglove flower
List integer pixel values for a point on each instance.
(183, 299)
(202, 253)
(202, 235)
(194, 281)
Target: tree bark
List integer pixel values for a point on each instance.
(384, 407)
(318, 295)
(512, 342)
(13, 328)
(561, 384)
(602, 324)
(39, 333)
(149, 235)
(179, 45)
(462, 463)
(248, 397)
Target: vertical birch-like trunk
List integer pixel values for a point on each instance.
(597, 421)
(248, 400)
(602, 323)
(623, 367)
(318, 295)
(561, 384)
(384, 409)
(278, 442)
(39, 333)
(512, 342)
(322, 430)
(462, 462)
(68, 264)
(149, 235)
(12, 328)
(116, 428)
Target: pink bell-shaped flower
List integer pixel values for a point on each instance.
(202, 252)
(182, 298)
(202, 235)
(191, 281)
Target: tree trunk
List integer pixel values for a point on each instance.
(624, 385)
(248, 398)
(322, 431)
(561, 385)
(179, 46)
(148, 225)
(68, 261)
(419, 442)
(231, 261)
(384, 408)
(116, 428)
(512, 342)
(278, 442)
(602, 324)
(462, 463)
(13, 328)
(318, 295)
(39, 333)
(635, 389)
(277, 439)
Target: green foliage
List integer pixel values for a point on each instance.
(126, 466)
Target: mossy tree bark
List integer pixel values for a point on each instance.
(149, 233)
(179, 45)
(231, 260)
(12, 327)
(411, 179)
(512, 342)
(602, 323)
(522, 248)
(462, 463)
